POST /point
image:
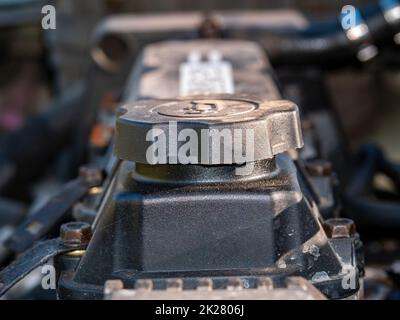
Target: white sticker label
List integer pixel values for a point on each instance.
(205, 77)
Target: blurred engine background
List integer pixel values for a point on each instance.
(38, 66)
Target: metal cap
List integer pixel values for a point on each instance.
(222, 127)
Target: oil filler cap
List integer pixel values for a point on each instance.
(209, 130)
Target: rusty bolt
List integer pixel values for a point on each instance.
(339, 228)
(174, 284)
(235, 283)
(111, 286)
(265, 283)
(307, 124)
(209, 28)
(205, 284)
(75, 233)
(91, 174)
(144, 284)
(319, 168)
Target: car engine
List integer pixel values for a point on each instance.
(201, 155)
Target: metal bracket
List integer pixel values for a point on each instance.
(39, 254)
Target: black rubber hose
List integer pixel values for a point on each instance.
(328, 50)
(359, 200)
(332, 49)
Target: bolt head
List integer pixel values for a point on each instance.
(112, 286)
(319, 168)
(91, 174)
(339, 228)
(75, 233)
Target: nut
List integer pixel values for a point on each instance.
(205, 284)
(91, 174)
(319, 168)
(235, 283)
(174, 284)
(144, 284)
(111, 286)
(76, 233)
(339, 228)
(307, 124)
(265, 283)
